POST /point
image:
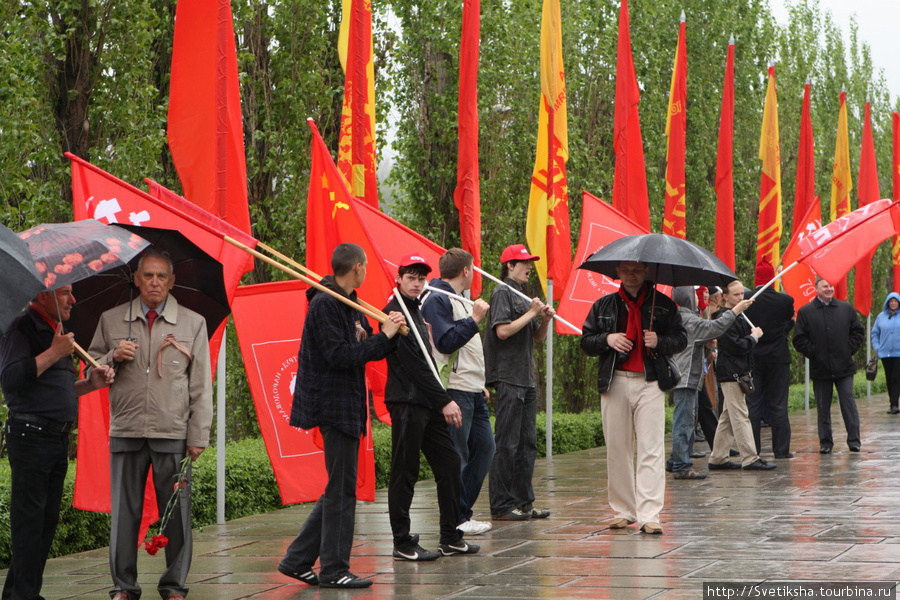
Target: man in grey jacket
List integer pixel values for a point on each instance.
(160, 412)
(690, 365)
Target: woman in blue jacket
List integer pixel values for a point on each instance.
(886, 341)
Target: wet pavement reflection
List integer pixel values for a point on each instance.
(816, 517)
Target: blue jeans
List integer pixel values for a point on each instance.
(683, 428)
(516, 438)
(474, 442)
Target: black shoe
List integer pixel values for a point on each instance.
(759, 465)
(788, 455)
(513, 515)
(690, 474)
(412, 551)
(825, 450)
(727, 465)
(348, 581)
(894, 411)
(542, 513)
(460, 547)
(305, 575)
(669, 466)
(854, 447)
(733, 452)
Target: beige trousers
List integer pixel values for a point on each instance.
(734, 427)
(633, 410)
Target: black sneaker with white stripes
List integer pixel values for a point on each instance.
(348, 581)
(305, 575)
(460, 547)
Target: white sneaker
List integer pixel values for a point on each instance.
(473, 527)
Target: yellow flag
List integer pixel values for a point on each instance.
(841, 180)
(768, 237)
(547, 227)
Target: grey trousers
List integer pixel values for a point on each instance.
(128, 475)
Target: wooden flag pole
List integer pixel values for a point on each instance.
(374, 313)
(303, 268)
(83, 355)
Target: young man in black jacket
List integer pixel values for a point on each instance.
(331, 395)
(621, 329)
(420, 412)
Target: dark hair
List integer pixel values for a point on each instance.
(453, 262)
(504, 270)
(151, 252)
(345, 257)
(417, 269)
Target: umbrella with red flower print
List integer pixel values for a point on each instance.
(64, 253)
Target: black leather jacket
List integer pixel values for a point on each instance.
(609, 314)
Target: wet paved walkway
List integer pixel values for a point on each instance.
(830, 518)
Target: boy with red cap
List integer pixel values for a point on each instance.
(512, 330)
(420, 412)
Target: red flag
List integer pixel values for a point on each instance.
(206, 135)
(547, 225)
(895, 180)
(768, 237)
(467, 196)
(674, 222)
(333, 217)
(867, 191)
(805, 190)
(97, 194)
(724, 172)
(269, 347)
(356, 148)
(630, 177)
(800, 281)
(832, 250)
(600, 225)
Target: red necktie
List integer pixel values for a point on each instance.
(151, 316)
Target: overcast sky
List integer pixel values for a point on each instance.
(879, 26)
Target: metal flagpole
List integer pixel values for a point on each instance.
(806, 379)
(220, 434)
(868, 352)
(549, 410)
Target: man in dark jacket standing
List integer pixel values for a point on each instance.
(420, 411)
(331, 394)
(773, 312)
(735, 359)
(828, 333)
(621, 328)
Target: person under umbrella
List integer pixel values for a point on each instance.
(160, 413)
(620, 329)
(39, 383)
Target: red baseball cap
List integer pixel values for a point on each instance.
(414, 259)
(517, 252)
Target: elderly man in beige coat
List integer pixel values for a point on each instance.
(160, 412)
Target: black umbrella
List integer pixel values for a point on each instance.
(673, 261)
(20, 279)
(199, 284)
